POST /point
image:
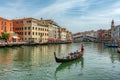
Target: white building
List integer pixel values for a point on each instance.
(115, 33)
(63, 36)
(53, 30)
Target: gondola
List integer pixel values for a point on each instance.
(63, 60)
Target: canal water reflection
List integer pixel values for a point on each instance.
(38, 63)
(68, 66)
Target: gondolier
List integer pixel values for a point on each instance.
(82, 47)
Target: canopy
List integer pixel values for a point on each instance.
(15, 37)
(51, 39)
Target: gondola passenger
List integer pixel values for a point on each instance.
(69, 56)
(75, 54)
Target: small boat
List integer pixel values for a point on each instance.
(63, 60)
(2, 45)
(111, 44)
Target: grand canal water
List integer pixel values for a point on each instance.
(38, 63)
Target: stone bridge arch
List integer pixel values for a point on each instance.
(85, 38)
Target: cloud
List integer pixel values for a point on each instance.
(81, 15)
(11, 9)
(75, 15)
(58, 8)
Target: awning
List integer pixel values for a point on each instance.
(51, 39)
(15, 37)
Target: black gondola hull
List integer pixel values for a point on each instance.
(59, 60)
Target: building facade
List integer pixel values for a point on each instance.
(63, 34)
(6, 26)
(69, 36)
(116, 33)
(53, 30)
(30, 30)
(100, 35)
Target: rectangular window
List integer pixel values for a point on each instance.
(33, 33)
(25, 28)
(2, 23)
(17, 22)
(39, 34)
(21, 22)
(4, 28)
(1, 27)
(5, 23)
(25, 33)
(28, 33)
(29, 21)
(10, 24)
(10, 28)
(28, 28)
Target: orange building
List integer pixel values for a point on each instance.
(18, 27)
(6, 26)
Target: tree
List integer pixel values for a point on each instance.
(0, 37)
(4, 36)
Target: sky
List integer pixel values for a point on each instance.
(75, 15)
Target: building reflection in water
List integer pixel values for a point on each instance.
(100, 47)
(35, 55)
(44, 54)
(6, 60)
(5, 56)
(112, 52)
(114, 56)
(64, 49)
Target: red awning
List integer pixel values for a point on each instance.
(15, 36)
(51, 39)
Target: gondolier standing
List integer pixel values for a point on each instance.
(82, 47)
